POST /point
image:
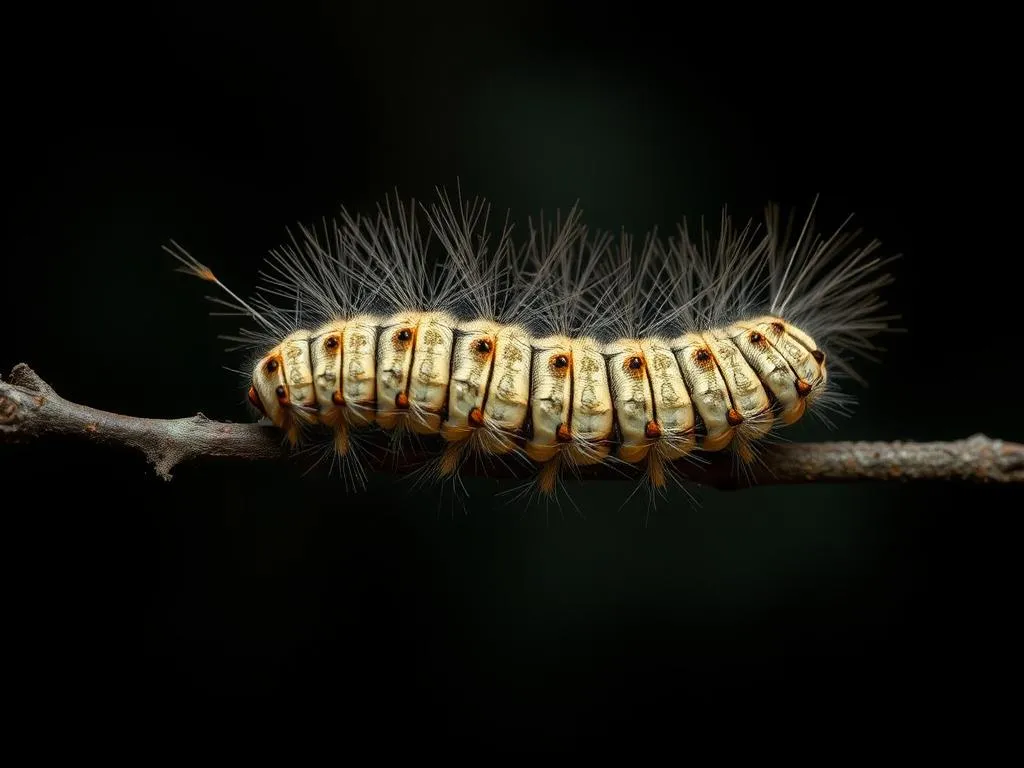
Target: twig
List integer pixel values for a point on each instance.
(30, 410)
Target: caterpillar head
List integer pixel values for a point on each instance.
(282, 386)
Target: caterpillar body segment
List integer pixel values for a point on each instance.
(592, 412)
(429, 381)
(675, 433)
(342, 355)
(490, 391)
(472, 366)
(508, 391)
(632, 399)
(771, 368)
(707, 388)
(750, 412)
(414, 355)
(564, 352)
(358, 370)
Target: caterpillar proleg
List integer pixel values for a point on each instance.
(556, 346)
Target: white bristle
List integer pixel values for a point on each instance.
(551, 343)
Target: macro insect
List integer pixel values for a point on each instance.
(560, 348)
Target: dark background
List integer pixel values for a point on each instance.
(240, 586)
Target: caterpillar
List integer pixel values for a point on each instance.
(562, 348)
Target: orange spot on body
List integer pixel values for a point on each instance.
(476, 418)
(564, 434)
(254, 399)
(803, 388)
(652, 430)
(702, 357)
(734, 417)
(337, 398)
(401, 400)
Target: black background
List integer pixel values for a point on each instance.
(239, 586)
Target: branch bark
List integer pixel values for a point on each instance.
(31, 410)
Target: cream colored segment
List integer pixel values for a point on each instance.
(673, 409)
(745, 389)
(359, 372)
(326, 361)
(431, 370)
(266, 383)
(592, 419)
(770, 365)
(708, 390)
(808, 343)
(298, 371)
(800, 336)
(394, 364)
(631, 395)
(470, 372)
(550, 396)
(795, 346)
(508, 395)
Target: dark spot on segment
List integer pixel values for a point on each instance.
(476, 418)
(818, 356)
(331, 343)
(633, 367)
(254, 399)
(482, 346)
(272, 365)
(734, 417)
(563, 434)
(803, 388)
(401, 339)
(778, 327)
(703, 358)
(282, 393)
(402, 400)
(560, 362)
(757, 339)
(652, 431)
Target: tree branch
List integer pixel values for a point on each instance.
(30, 410)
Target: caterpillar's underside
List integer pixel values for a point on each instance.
(566, 350)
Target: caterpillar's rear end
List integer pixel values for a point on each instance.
(564, 350)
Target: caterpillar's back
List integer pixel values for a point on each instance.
(560, 347)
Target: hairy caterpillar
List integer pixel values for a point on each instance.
(568, 348)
